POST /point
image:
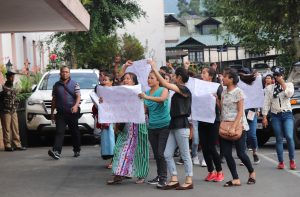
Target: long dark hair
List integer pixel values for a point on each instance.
(232, 74)
(132, 76)
(183, 73)
(212, 73)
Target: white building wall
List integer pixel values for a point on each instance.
(30, 37)
(150, 30)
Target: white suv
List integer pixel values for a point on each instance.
(38, 105)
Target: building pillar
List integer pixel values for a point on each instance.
(14, 51)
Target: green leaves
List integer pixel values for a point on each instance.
(261, 26)
(99, 45)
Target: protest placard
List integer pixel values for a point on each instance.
(142, 69)
(203, 99)
(254, 94)
(120, 104)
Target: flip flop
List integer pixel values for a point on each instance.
(115, 181)
(251, 181)
(231, 184)
(140, 181)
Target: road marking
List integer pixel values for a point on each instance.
(293, 172)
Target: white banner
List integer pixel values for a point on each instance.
(121, 104)
(203, 99)
(254, 94)
(142, 69)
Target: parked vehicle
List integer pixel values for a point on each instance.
(38, 105)
(263, 134)
(262, 68)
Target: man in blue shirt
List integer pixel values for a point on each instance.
(66, 100)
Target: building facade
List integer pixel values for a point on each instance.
(194, 39)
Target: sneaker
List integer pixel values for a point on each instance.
(280, 165)
(195, 160)
(76, 154)
(154, 181)
(161, 183)
(203, 163)
(54, 154)
(256, 160)
(242, 164)
(180, 162)
(211, 176)
(219, 177)
(292, 165)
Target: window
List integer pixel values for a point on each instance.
(209, 29)
(196, 56)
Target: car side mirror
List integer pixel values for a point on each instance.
(33, 88)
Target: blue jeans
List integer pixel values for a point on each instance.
(180, 138)
(283, 125)
(195, 143)
(251, 134)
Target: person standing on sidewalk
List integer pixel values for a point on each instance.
(9, 116)
(66, 100)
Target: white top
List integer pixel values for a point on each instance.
(279, 104)
(229, 106)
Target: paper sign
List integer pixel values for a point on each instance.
(254, 94)
(142, 69)
(121, 104)
(203, 99)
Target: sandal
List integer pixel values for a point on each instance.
(251, 181)
(174, 186)
(109, 166)
(188, 186)
(140, 181)
(231, 184)
(116, 180)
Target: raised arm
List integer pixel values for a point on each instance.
(161, 80)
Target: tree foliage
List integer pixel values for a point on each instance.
(132, 48)
(261, 25)
(186, 7)
(98, 45)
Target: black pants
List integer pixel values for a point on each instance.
(240, 146)
(61, 121)
(208, 135)
(158, 140)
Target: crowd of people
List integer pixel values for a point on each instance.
(169, 125)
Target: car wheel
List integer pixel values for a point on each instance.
(297, 131)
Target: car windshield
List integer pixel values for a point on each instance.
(260, 66)
(85, 80)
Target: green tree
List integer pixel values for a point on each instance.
(183, 7)
(191, 7)
(132, 48)
(261, 26)
(98, 45)
(195, 7)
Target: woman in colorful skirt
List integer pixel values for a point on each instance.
(131, 155)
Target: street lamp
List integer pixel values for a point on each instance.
(8, 65)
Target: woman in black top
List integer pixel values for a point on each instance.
(179, 127)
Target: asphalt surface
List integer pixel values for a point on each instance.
(33, 173)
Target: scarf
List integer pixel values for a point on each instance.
(277, 89)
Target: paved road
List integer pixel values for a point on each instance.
(32, 173)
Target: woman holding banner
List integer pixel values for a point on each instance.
(179, 127)
(131, 154)
(157, 104)
(209, 133)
